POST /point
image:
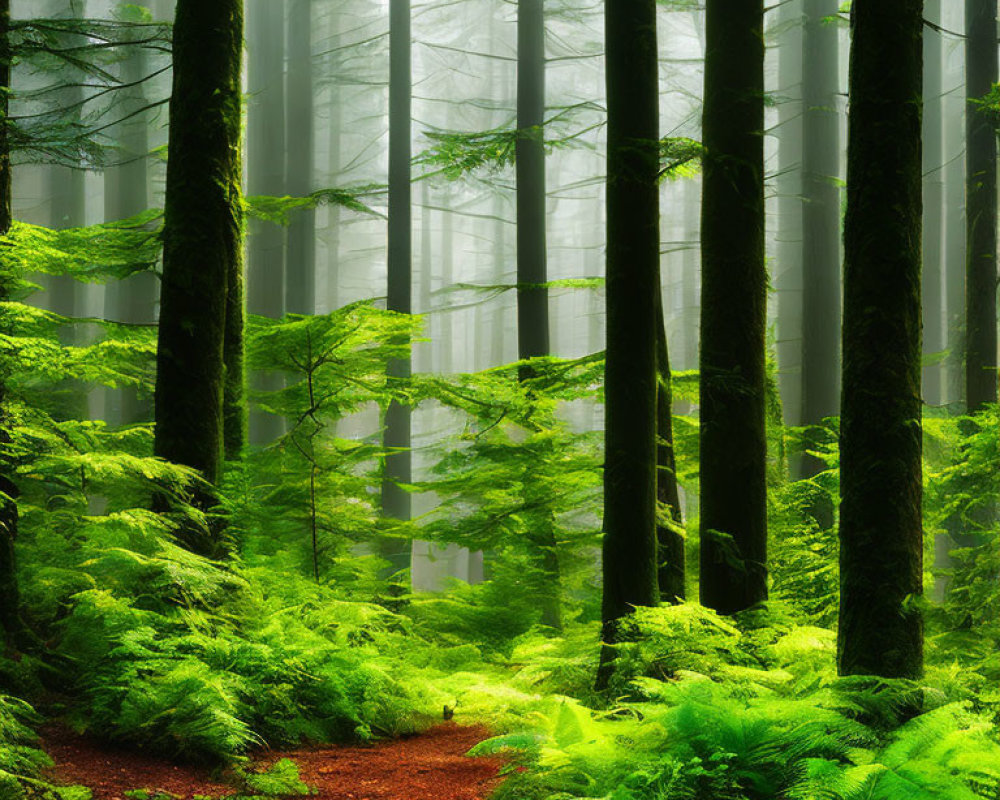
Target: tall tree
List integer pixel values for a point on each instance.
(981, 74)
(881, 541)
(266, 176)
(733, 566)
(820, 218)
(934, 204)
(300, 268)
(532, 269)
(633, 257)
(398, 464)
(16, 635)
(199, 358)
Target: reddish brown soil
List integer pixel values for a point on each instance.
(431, 766)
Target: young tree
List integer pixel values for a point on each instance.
(980, 207)
(671, 569)
(633, 245)
(733, 564)
(199, 360)
(881, 631)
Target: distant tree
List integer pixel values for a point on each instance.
(980, 206)
(200, 359)
(300, 265)
(266, 176)
(881, 540)
(933, 299)
(733, 569)
(633, 255)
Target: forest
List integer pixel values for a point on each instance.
(512, 399)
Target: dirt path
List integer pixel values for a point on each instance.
(431, 766)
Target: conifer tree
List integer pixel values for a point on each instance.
(199, 361)
(980, 206)
(881, 541)
(733, 556)
(630, 554)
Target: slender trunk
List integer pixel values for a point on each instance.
(398, 465)
(955, 113)
(532, 297)
(300, 275)
(934, 205)
(733, 311)
(820, 220)
(633, 256)
(980, 207)
(16, 634)
(202, 238)
(881, 541)
(266, 176)
(669, 537)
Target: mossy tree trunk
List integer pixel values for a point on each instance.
(532, 266)
(981, 73)
(633, 219)
(733, 533)
(670, 520)
(16, 633)
(881, 631)
(199, 380)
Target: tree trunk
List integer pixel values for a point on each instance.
(300, 274)
(532, 270)
(820, 220)
(633, 235)
(266, 176)
(669, 538)
(934, 206)
(734, 290)
(202, 239)
(398, 465)
(881, 631)
(980, 207)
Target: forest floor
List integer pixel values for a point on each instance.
(430, 766)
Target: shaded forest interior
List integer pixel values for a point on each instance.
(616, 381)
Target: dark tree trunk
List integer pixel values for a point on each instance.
(532, 270)
(300, 270)
(266, 176)
(820, 219)
(202, 261)
(16, 635)
(980, 207)
(669, 538)
(734, 290)
(881, 631)
(398, 466)
(934, 206)
(633, 256)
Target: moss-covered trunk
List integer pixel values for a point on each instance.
(733, 531)
(981, 73)
(881, 632)
(200, 334)
(670, 524)
(633, 254)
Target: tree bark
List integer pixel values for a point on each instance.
(266, 176)
(881, 631)
(398, 465)
(669, 537)
(733, 564)
(980, 207)
(202, 256)
(633, 220)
